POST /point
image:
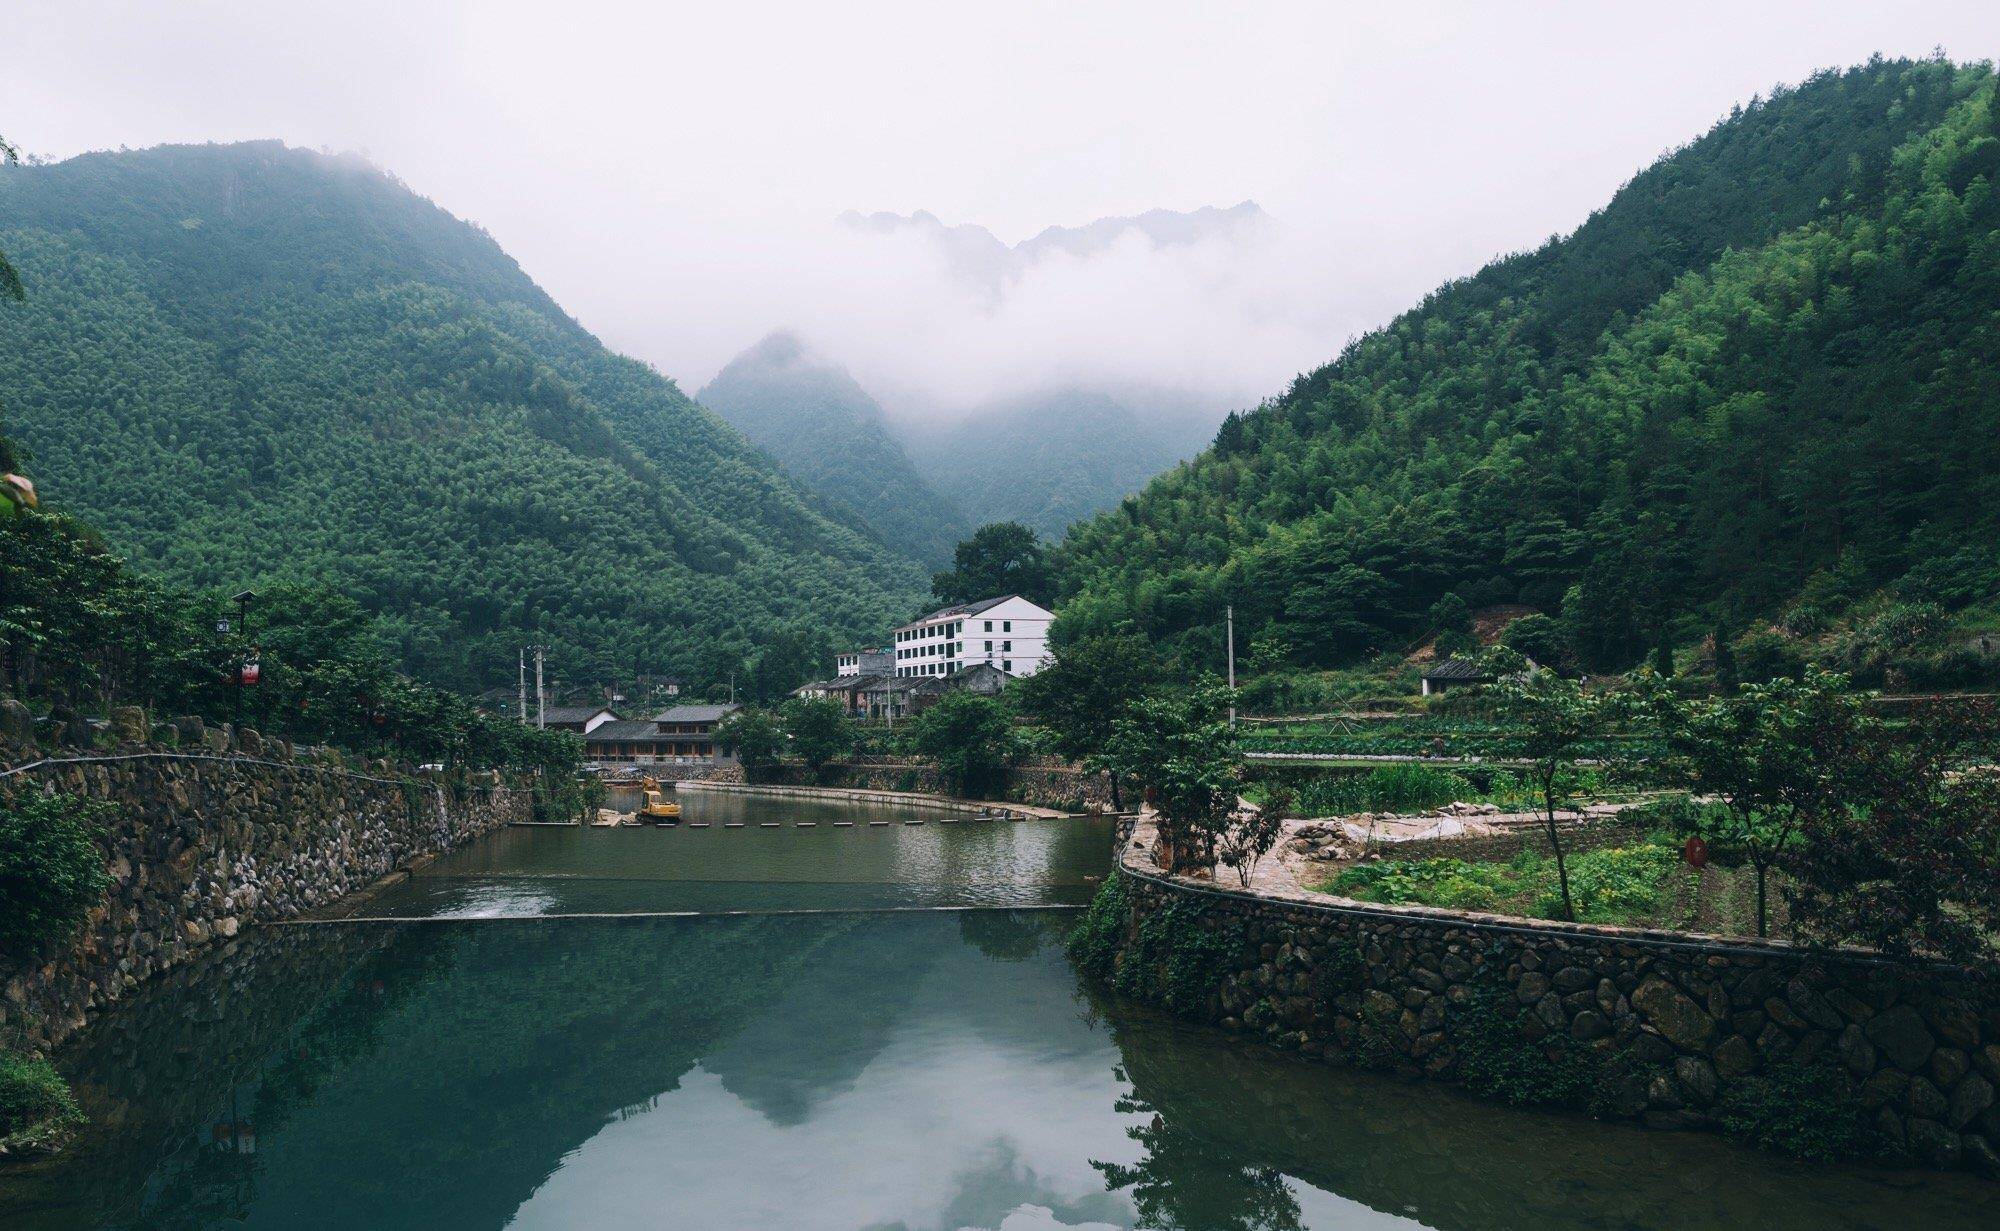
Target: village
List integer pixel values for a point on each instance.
(976, 647)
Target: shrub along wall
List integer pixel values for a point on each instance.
(1820, 1054)
(207, 838)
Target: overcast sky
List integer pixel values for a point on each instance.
(671, 172)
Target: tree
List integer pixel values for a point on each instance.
(1908, 863)
(1777, 755)
(1180, 747)
(1243, 845)
(1555, 718)
(754, 738)
(1002, 558)
(820, 732)
(971, 738)
(1089, 685)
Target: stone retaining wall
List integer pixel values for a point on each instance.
(1690, 1018)
(207, 839)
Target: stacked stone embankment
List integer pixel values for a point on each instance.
(210, 834)
(1916, 1045)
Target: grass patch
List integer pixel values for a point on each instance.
(1627, 884)
(1414, 787)
(37, 1110)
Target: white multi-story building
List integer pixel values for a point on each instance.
(870, 661)
(1010, 633)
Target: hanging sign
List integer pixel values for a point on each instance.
(251, 670)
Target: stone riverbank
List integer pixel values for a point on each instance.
(1689, 1020)
(210, 834)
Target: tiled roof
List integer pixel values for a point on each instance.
(1458, 669)
(961, 609)
(629, 729)
(577, 713)
(695, 713)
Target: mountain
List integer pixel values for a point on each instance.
(980, 259)
(1046, 460)
(830, 435)
(1762, 383)
(248, 363)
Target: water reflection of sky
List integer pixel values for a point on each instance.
(845, 1071)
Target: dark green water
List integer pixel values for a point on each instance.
(841, 1071)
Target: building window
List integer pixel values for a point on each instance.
(989, 626)
(1006, 626)
(989, 647)
(1006, 647)
(1007, 664)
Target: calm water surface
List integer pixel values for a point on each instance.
(844, 1071)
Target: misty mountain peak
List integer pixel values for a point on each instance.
(978, 257)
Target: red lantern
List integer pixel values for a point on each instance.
(1695, 851)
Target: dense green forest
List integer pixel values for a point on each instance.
(249, 365)
(1046, 460)
(830, 435)
(1757, 393)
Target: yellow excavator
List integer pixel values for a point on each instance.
(656, 808)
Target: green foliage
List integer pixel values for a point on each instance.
(37, 1110)
(331, 379)
(1180, 747)
(754, 738)
(1497, 1061)
(51, 870)
(1763, 359)
(1611, 885)
(972, 740)
(825, 430)
(1777, 754)
(1907, 862)
(1093, 945)
(1080, 696)
(1175, 960)
(1805, 1110)
(819, 731)
(1046, 460)
(1429, 882)
(1000, 558)
(1408, 787)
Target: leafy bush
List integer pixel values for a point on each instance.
(1497, 1061)
(1093, 945)
(1804, 1110)
(1176, 962)
(51, 872)
(36, 1107)
(1429, 882)
(1611, 885)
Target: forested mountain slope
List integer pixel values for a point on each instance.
(1046, 460)
(247, 362)
(830, 435)
(1763, 381)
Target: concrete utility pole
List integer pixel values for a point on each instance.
(1230, 616)
(521, 683)
(541, 697)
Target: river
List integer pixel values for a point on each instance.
(502, 1054)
